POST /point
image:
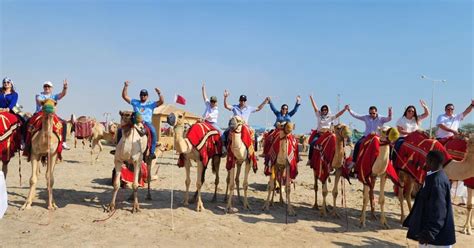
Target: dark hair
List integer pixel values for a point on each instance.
(373, 107)
(13, 89)
(434, 159)
(448, 105)
(414, 112)
(325, 107)
(284, 105)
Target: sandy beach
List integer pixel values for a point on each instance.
(82, 190)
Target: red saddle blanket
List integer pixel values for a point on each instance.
(323, 155)
(411, 157)
(34, 125)
(83, 129)
(128, 177)
(292, 153)
(368, 153)
(207, 141)
(246, 135)
(10, 135)
(457, 148)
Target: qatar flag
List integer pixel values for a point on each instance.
(180, 99)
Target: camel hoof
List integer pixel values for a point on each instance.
(291, 212)
(386, 226)
(247, 207)
(25, 206)
(148, 197)
(136, 210)
(335, 214)
(51, 207)
(266, 207)
(315, 206)
(362, 225)
(231, 210)
(185, 203)
(374, 217)
(200, 207)
(214, 199)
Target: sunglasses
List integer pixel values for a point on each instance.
(450, 109)
(410, 110)
(373, 113)
(7, 82)
(284, 108)
(324, 110)
(142, 95)
(46, 86)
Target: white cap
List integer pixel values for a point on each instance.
(48, 83)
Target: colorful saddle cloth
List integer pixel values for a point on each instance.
(246, 136)
(34, 125)
(292, 154)
(10, 135)
(323, 155)
(207, 141)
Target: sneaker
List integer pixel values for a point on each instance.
(66, 147)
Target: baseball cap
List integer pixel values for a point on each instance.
(243, 98)
(213, 99)
(48, 83)
(143, 92)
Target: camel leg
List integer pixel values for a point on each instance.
(237, 180)
(400, 195)
(325, 193)
(5, 169)
(383, 220)
(136, 177)
(33, 181)
(271, 188)
(187, 166)
(372, 200)
(118, 172)
(315, 206)
(216, 164)
(75, 142)
(246, 184)
(468, 225)
(199, 204)
(291, 211)
(229, 208)
(50, 182)
(364, 205)
(410, 187)
(335, 191)
(227, 186)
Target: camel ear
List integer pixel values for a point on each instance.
(120, 113)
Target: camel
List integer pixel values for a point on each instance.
(130, 150)
(44, 143)
(189, 152)
(380, 168)
(99, 133)
(456, 171)
(240, 154)
(281, 166)
(84, 122)
(10, 138)
(341, 133)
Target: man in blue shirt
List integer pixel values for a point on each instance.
(372, 123)
(145, 108)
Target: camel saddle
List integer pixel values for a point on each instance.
(10, 135)
(128, 176)
(369, 151)
(246, 136)
(83, 127)
(206, 139)
(323, 155)
(457, 148)
(411, 155)
(34, 125)
(272, 154)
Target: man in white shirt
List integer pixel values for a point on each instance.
(448, 123)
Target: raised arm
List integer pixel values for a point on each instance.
(260, 107)
(161, 99)
(341, 112)
(272, 107)
(354, 114)
(125, 92)
(389, 117)
(315, 107)
(203, 88)
(64, 91)
(297, 105)
(468, 109)
(427, 111)
(226, 105)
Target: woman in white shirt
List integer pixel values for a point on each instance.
(410, 121)
(325, 122)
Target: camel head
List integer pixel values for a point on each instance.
(235, 124)
(342, 131)
(176, 119)
(113, 127)
(48, 106)
(286, 127)
(126, 118)
(388, 134)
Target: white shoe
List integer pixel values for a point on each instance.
(66, 147)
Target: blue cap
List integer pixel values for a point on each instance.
(144, 92)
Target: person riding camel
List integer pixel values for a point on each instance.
(325, 122)
(242, 109)
(448, 123)
(145, 107)
(410, 122)
(372, 123)
(47, 93)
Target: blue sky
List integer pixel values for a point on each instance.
(369, 52)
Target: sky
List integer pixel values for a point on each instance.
(369, 52)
